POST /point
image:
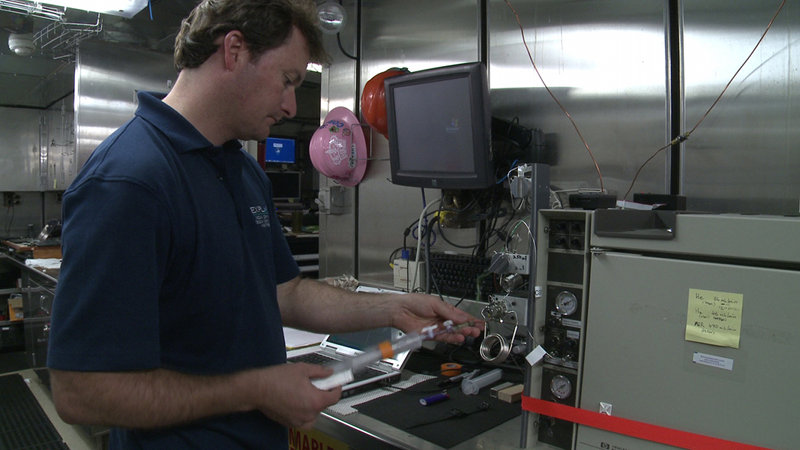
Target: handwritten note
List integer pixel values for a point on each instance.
(714, 318)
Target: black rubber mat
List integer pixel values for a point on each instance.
(448, 423)
(23, 423)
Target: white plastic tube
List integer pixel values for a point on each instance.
(471, 386)
(345, 371)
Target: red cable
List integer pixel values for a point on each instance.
(633, 428)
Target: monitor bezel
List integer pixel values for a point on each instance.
(483, 175)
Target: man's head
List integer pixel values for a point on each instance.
(265, 24)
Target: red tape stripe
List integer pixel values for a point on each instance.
(641, 430)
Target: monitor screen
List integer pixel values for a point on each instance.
(279, 150)
(439, 123)
(285, 185)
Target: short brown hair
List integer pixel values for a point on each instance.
(265, 24)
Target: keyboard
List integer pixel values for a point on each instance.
(314, 358)
(456, 275)
(366, 374)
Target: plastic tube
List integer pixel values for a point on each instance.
(344, 371)
(471, 386)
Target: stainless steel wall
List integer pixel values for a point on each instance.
(106, 80)
(337, 248)
(358, 238)
(37, 147)
(59, 164)
(20, 131)
(40, 149)
(605, 61)
(744, 157)
(416, 34)
(33, 143)
(35, 81)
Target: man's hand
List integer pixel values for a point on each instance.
(285, 394)
(417, 311)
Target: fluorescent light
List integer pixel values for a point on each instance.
(124, 8)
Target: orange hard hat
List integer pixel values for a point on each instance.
(373, 100)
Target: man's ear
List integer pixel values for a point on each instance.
(234, 49)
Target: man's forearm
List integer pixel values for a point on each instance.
(145, 399)
(316, 306)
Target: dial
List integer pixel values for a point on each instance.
(560, 387)
(566, 303)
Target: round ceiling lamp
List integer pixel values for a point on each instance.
(332, 17)
(21, 43)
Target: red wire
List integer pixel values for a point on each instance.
(566, 113)
(683, 137)
(678, 139)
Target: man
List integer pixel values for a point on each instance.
(176, 277)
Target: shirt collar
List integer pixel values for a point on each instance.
(182, 134)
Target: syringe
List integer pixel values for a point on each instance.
(345, 370)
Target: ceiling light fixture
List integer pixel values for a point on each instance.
(21, 43)
(123, 8)
(20, 36)
(332, 17)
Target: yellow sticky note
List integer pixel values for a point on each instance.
(714, 318)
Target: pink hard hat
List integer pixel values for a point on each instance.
(338, 148)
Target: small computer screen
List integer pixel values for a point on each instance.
(452, 140)
(285, 185)
(279, 150)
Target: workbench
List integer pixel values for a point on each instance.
(360, 431)
(353, 429)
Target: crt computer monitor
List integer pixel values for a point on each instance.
(439, 123)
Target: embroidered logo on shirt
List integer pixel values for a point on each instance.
(261, 215)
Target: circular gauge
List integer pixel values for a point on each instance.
(560, 387)
(566, 303)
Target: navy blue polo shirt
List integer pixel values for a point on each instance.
(171, 257)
